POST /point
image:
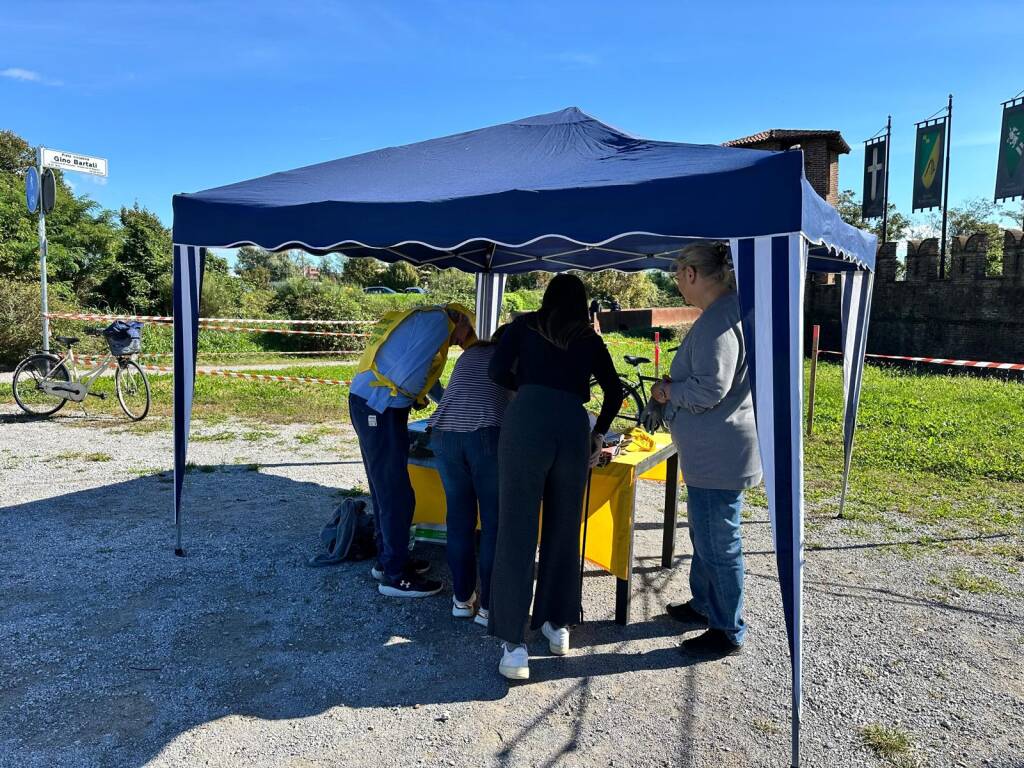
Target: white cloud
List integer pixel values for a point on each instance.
(26, 76)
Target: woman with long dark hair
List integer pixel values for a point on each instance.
(546, 442)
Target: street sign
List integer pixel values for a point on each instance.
(32, 189)
(49, 190)
(69, 161)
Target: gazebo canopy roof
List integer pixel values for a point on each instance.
(555, 191)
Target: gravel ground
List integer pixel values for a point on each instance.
(117, 653)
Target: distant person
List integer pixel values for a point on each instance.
(401, 366)
(546, 442)
(709, 410)
(614, 305)
(464, 437)
(595, 307)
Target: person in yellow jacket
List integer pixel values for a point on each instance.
(399, 370)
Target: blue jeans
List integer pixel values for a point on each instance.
(716, 571)
(468, 465)
(384, 444)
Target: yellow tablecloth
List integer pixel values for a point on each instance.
(609, 530)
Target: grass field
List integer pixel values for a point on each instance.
(943, 452)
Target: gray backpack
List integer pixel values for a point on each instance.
(348, 535)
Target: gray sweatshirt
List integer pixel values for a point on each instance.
(710, 413)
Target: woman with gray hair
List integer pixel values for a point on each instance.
(711, 416)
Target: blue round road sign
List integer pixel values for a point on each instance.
(32, 189)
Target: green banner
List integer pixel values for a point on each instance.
(1010, 172)
(928, 165)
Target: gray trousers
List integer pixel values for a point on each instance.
(542, 454)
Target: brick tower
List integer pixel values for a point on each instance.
(821, 154)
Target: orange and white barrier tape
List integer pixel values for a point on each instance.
(203, 320)
(271, 353)
(229, 374)
(943, 361)
(287, 331)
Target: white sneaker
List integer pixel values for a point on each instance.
(558, 638)
(482, 617)
(463, 610)
(515, 663)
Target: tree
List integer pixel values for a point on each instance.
(400, 275)
(362, 271)
(528, 281)
(849, 208)
(16, 154)
(261, 267)
(142, 259)
(631, 289)
(215, 263)
(975, 215)
(82, 237)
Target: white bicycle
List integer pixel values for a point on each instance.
(44, 382)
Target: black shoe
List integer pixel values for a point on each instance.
(414, 564)
(713, 644)
(410, 585)
(685, 613)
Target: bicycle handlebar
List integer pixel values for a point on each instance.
(93, 331)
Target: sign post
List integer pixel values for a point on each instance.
(44, 306)
(44, 198)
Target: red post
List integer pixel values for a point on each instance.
(814, 369)
(657, 352)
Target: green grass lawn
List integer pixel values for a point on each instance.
(943, 451)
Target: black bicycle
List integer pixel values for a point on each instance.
(635, 395)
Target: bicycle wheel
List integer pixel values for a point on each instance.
(132, 388)
(628, 415)
(28, 377)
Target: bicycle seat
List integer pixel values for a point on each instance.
(67, 341)
(633, 360)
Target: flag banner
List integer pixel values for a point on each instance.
(931, 141)
(875, 175)
(1010, 173)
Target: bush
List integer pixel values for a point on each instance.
(20, 316)
(521, 301)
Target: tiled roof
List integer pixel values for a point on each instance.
(835, 138)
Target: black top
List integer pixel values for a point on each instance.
(525, 357)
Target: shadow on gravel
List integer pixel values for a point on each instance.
(860, 592)
(119, 646)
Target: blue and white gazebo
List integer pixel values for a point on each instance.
(565, 191)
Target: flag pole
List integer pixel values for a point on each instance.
(885, 182)
(945, 192)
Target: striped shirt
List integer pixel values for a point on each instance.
(472, 400)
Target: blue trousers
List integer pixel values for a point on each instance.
(468, 465)
(384, 444)
(716, 571)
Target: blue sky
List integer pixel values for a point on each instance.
(181, 96)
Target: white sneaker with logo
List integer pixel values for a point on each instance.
(482, 617)
(558, 638)
(464, 610)
(515, 662)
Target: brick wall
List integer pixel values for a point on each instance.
(818, 168)
(968, 315)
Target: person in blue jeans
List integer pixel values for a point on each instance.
(464, 437)
(709, 409)
(400, 368)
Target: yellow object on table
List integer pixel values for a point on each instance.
(610, 515)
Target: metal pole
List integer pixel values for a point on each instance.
(945, 193)
(43, 303)
(885, 182)
(814, 371)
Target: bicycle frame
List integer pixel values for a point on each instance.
(77, 389)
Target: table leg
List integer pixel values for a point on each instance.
(623, 596)
(668, 540)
